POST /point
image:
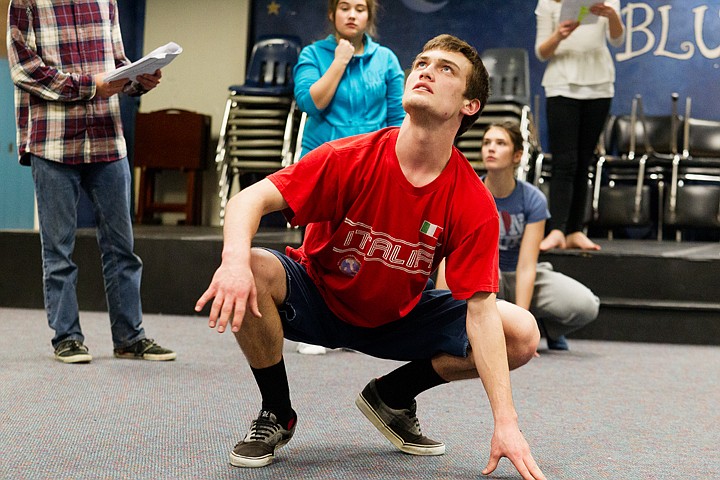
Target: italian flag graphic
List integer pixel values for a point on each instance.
(431, 229)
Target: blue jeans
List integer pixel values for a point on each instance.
(57, 189)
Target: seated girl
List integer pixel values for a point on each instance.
(559, 303)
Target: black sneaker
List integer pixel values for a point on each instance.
(258, 447)
(72, 351)
(401, 427)
(145, 349)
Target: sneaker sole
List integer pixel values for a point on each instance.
(409, 448)
(247, 462)
(85, 358)
(255, 462)
(154, 358)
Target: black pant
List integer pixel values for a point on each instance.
(573, 130)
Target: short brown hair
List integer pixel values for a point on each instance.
(478, 83)
(372, 7)
(513, 131)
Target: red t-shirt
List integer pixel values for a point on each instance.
(373, 239)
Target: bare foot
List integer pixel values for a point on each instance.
(581, 241)
(554, 239)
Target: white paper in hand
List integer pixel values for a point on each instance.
(578, 10)
(151, 62)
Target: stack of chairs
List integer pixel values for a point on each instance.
(693, 197)
(261, 123)
(509, 70)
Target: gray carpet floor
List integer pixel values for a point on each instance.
(603, 410)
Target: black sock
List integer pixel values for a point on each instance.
(274, 390)
(399, 387)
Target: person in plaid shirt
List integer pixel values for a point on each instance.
(70, 133)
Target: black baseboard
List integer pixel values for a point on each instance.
(678, 326)
(649, 291)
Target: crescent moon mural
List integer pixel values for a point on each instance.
(424, 6)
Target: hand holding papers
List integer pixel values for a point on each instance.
(151, 62)
(578, 11)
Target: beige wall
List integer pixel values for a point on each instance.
(213, 34)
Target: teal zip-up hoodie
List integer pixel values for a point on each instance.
(368, 98)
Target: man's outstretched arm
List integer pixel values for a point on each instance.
(233, 285)
(487, 340)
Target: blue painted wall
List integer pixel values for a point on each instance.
(17, 196)
(671, 45)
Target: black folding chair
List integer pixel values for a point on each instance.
(694, 198)
(630, 169)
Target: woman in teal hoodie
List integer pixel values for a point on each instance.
(347, 83)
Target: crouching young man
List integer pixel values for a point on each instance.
(382, 210)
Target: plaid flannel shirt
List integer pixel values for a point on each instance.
(54, 48)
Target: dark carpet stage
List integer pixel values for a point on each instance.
(650, 291)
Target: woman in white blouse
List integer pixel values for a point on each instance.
(579, 85)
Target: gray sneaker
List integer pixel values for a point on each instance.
(401, 427)
(72, 351)
(258, 447)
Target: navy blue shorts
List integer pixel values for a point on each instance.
(436, 324)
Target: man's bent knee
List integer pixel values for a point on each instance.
(521, 334)
(523, 349)
(269, 273)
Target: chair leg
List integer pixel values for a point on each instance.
(189, 196)
(661, 210)
(192, 199)
(226, 181)
(141, 197)
(147, 194)
(197, 201)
